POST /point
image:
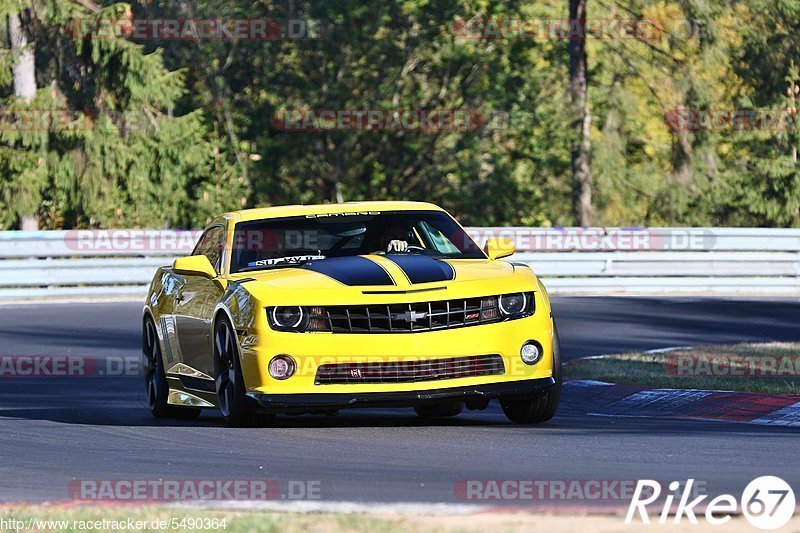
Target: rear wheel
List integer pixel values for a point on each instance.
(540, 408)
(238, 409)
(439, 410)
(155, 379)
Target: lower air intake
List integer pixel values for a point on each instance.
(410, 371)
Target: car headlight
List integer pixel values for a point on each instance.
(513, 304)
(287, 317)
(296, 318)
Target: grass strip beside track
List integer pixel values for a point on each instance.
(748, 367)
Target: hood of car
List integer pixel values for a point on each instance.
(380, 273)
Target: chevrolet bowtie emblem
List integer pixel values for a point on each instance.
(410, 316)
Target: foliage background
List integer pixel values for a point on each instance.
(181, 130)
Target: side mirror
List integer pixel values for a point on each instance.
(499, 248)
(194, 265)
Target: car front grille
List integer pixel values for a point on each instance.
(405, 318)
(410, 371)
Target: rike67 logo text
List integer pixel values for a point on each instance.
(767, 503)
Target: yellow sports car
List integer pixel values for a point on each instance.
(310, 309)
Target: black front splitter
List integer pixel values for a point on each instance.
(322, 401)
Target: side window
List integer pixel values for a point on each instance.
(436, 239)
(211, 245)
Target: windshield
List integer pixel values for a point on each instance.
(283, 242)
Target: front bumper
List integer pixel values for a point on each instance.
(327, 401)
(312, 351)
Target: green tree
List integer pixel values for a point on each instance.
(398, 55)
(106, 148)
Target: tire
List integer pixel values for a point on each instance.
(238, 409)
(541, 408)
(155, 379)
(440, 410)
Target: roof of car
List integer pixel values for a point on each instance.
(321, 209)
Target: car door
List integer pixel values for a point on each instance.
(195, 303)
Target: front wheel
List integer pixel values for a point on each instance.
(155, 379)
(541, 408)
(238, 409)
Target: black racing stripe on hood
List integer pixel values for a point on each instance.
(423, 269)
(354, 270)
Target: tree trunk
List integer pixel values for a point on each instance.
(24, 71)
(578, 89)
(681, 159)
(24, 67)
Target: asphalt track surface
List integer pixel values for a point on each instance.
(56, 430)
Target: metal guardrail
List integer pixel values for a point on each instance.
(117, 263)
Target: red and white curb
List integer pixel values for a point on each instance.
(607, 399)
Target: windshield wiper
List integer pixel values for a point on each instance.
(277, 262)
